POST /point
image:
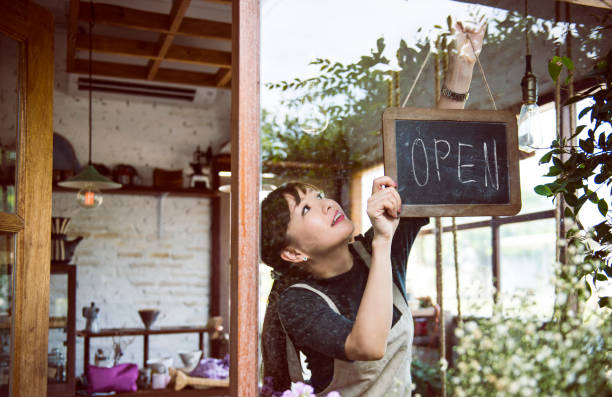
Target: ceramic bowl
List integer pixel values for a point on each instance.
(190, 358)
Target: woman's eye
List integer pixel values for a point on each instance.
(305, 209)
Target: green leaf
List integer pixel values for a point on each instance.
(543, 190)
(584, 111)
(568, 212)
(602, 206)
(554, 171)
(601, 277)
(558, 163)
(546, 158)
(555, 65)
(586, 145)
(568, 63)
(588, 288)
(605, 301)
(602, 140)
(570, 199)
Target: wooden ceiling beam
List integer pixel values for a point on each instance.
(73, 21)
(226, 2)
(107, 14)
(138, 72)
(148, 50)
(179, 8)
(224, 76)
(592, 3)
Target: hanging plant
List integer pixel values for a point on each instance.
(583, 172)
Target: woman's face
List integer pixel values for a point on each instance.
(317, 224)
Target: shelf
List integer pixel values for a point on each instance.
(188, 392)
(106, 332)
(153, 191)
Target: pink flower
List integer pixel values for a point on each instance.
(333, 394)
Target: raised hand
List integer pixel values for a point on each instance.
(468, 39)
(384, 207)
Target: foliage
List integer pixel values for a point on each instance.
(519, 356)
(425, 378)
(353, 96)
(581, 171)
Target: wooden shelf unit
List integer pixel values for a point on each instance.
(188, 392)
(110, 332)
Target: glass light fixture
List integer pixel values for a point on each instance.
(89, 181)
(529, 136)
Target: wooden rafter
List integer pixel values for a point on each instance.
(592, 3)
(179, 8)
(168, 26)
(138, 72)
(148, 50)
(224, 76)
(107, 14)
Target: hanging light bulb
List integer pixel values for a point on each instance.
(530, 136)
(89, 180)
(89, 197)
(528, 130)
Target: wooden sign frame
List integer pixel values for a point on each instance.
(391, 115)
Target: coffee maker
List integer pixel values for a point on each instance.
(201, 169)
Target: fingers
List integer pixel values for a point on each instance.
(382, 182)
(386, 200)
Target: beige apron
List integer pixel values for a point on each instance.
(389, 376)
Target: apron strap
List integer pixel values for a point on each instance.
(293, 358)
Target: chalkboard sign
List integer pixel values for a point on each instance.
(453, 162)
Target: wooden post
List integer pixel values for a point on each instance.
(244, 198)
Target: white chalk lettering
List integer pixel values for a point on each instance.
(459, 165)
(488, 166)
(426, 163)
(436, 141)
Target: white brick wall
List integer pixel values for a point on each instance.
(126, 262)
(123, 265)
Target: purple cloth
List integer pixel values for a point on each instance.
(120, 378)
(212, 368)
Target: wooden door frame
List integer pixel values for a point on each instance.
(32, 26)
(244, 199)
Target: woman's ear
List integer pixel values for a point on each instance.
(292, 255)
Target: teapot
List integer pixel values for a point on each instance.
(62, 250)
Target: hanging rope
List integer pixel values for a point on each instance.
(456, 259)
(416, 78)
(438, 231)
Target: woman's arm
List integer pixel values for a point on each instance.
(368, 337)
(462, 63)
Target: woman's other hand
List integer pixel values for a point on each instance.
(384, 207)
(468, 40)
(468, 45)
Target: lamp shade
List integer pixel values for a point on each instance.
(89, 177)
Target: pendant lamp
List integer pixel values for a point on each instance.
(89, 181)
(529, 136)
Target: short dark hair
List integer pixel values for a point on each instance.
(275, 218)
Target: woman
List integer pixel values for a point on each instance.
(343, 303)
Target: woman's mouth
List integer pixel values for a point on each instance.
(338, 217)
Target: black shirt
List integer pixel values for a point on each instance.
(315, 329)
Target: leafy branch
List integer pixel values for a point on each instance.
(581, 172)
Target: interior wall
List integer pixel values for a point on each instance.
(139, 251)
